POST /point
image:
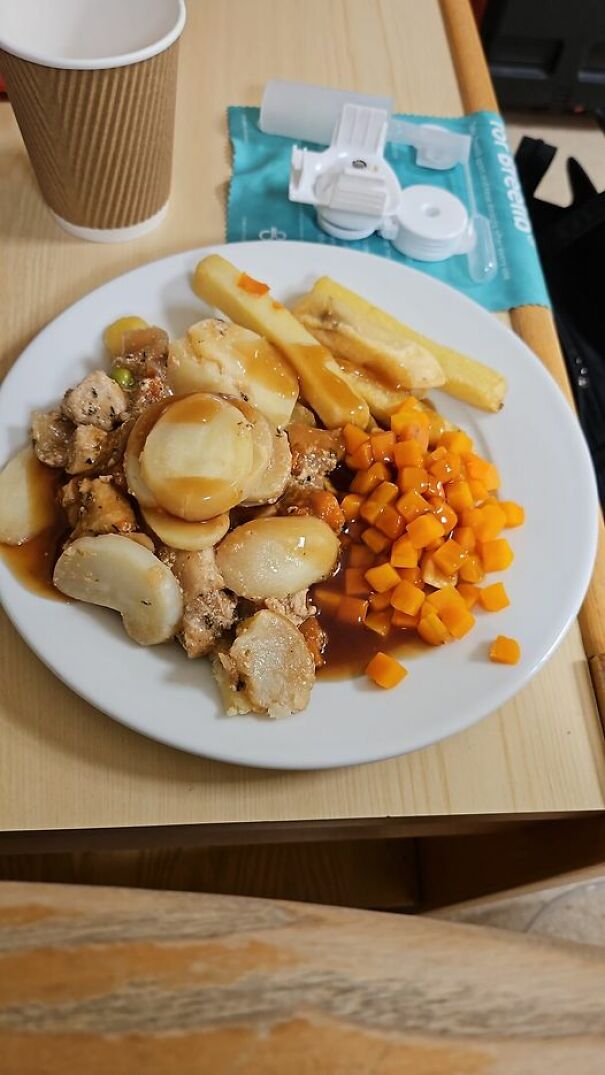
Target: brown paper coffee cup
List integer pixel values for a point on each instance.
(99, 131)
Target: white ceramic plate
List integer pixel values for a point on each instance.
(535, 441)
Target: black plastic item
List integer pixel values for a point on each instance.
(546, 53)
(571, 242)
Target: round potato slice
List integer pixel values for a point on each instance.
(189, 537)
(27, 498)
(198, 457)
(136, 442)
(270, 484)
(277, 556)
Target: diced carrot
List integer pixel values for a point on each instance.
(407, 418)
(408, 453)
(403, 620)
(481, 470)
(432, 629)
(407, 598)
(390, 522)
(403, 553)
(383, 446)
(437, 426)
(459, 496)
(515, 514)
(375, 541)
(495, 555)
(446, 516)
(492, 522)
(447, 468)
(379, 622)
(465, 536)
(471, 517)
(456, 441)
(411, 574)
(436, 455)
(365, 481)
(449, 557)
(355, 581)
(458, 621)
(469, 593)
(370, 510)
(385, 493)
(435, 487)
(505, 650)
(328, 600)
(354, 437)
(412, 504)
(380, 601)
(471, 569)
(361, 458)
(423, 530)
(410, 403)
(382, 578)
(448, 597)
(352, 610)
(360, 556)
(431, 575)
(325, 506)
(493, 598)
(413, 478)
(385, 671)
(479, 491)
(351, 505)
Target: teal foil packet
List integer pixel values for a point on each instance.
(259, 207)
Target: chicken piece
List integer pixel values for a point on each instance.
(315, 453)
(209, 609)
(95, 506)
(147, 391)
(145, 352)
(51, 432)
(86, 449)
(196, 572)
(316, 639)
(95, 401)
(294, 607)
(271, 662)
(205, 619)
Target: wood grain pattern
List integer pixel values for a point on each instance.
(122, 981)
(65, 765)
(533, 323)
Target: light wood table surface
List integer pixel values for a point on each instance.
(65, 766)
(110, 980)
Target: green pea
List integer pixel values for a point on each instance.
(122, 376)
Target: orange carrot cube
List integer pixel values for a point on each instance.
(382, 578)
(471, 569)
(352, 610)
(383, 446)
(412, 504)
(456, 441)
(361, 458)
(469, 593)
(458, 621)
(495, 555)
(481, 470)
(505, 650)
(403, 621)
(407, 424)
(413, 478)
(492, 522)
(328, 600)
(403, 553)
(390, 522)
(494, 598)
(423, 530)
(447, 467)
(479, 491)
(351, 505)
(365, 481)
(385, 671)
(446, 516)
(465, 536)
(514, 513)
(449, 557)
(354, 437)
(360, 556)
(437, 426)
(432, 629)
(380, 601)
(407, 598)
(459, 496)
(385, 493)
(370, 510)
(355, 581)
(408, 453)
(447, 597)
(379, 622)
(375, 541)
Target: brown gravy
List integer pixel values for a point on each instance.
(33, 562)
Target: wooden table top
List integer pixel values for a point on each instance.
(122, 981)
(63, 765)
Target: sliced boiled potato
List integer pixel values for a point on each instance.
(198, 457)
(215, 356)
(249, 302)
(270, 484)
(189, 537)
(277, 556)
(118, 573)
(27, 498)
(136, 442)
(262, 443)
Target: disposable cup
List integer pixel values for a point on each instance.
(93, 87)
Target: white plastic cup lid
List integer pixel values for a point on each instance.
(85, 34)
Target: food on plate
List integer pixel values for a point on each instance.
(27, 503)
(249, 303)
(268, 504)
(215, 356)
(361, 333)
